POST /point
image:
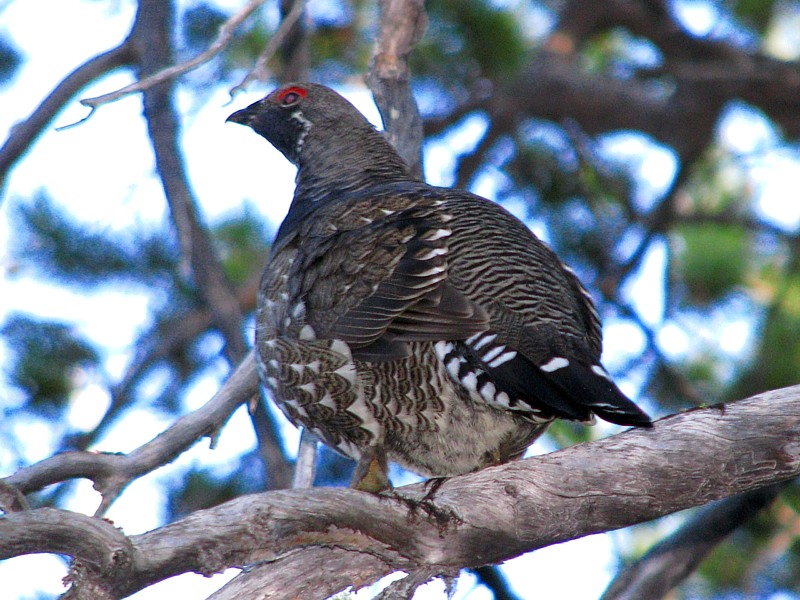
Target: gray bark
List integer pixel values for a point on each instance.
(687, 460)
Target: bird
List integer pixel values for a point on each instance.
(407, 323)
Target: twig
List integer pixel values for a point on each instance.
(272, 47)
(224, 38)
(23, 134)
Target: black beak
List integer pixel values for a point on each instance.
(243, 117)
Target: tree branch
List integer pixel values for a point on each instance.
(23, 134)
(275, 42)
(152, 36)
(224, 37)
(167, 336)
(673, 559)
(489, 516)
(112, 472)
(402, 24)
(294, 48)
(326, 570)
(54, 530)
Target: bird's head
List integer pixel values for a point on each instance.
(298, 115)
(335, 148)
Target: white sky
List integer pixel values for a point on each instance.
(102, 171)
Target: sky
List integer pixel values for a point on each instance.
(102, 172)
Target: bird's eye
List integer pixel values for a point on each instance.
(291, 96)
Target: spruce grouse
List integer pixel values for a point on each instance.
(406, 322)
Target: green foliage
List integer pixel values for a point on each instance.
(467, 39)
(619, 52)
(757, 13)
(710, 260)
(568, 433)
(246, 47)
(242, 245)
(53, 243)
(779, 362)
(201, 24)
(538, 165)
(737, 564)
(791, 497)
(46, 356)
(490, 36)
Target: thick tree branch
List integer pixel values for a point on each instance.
(492, 515)
(326, 570)
(152, 37)
(402, 24)
(53, 530)
(673, 559)
(112, 472)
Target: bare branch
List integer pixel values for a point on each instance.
(224, 37)
(54, 530)
(402, 24)
(295, 55)
(153, 345)
(23, 134)
(275, 42)
(11, 499)
(305, 467)
(151, 36)
(326, 571)
(673, 559)
(488, 516)
(112, 472)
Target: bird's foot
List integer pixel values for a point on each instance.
(432, 485)
(441, 516)
(371, 473)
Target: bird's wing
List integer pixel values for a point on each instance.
(376, 278)
(541, 351)
(508, 319)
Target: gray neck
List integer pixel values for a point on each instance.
(357, 158)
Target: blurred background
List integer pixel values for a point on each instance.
(653, 144)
